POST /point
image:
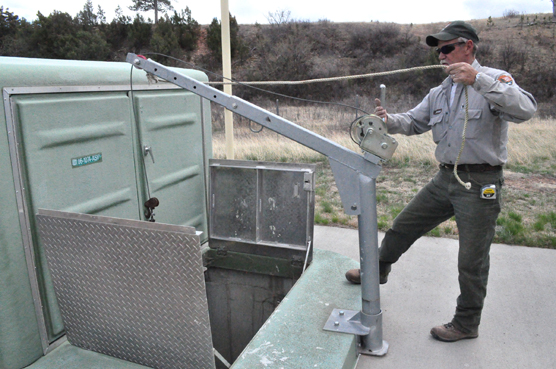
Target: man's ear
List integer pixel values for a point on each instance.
(469, 46)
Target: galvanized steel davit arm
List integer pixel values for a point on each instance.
(355, 176)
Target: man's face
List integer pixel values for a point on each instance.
(457, 55)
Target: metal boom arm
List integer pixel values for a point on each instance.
(355, 177)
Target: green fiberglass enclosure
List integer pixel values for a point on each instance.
(75, 135)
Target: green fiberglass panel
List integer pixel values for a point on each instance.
(170, 125)
(77, 152)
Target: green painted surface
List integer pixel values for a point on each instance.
(252, 264)
(70, 357)
(293, 336)
(29, 72)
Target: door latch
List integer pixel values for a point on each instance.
(148, 150)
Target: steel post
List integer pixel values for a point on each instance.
(371, 314)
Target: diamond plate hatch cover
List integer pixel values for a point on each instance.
(129, 289)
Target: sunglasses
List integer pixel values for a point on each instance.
(446, 49)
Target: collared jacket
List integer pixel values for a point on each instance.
(494, 100)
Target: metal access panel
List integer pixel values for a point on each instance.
(262, 208)
(129, 289)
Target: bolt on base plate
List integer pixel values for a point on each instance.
(349, 321)
(383, 350)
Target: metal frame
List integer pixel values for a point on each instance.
(355, 177)
(259, 246)
(19, 180)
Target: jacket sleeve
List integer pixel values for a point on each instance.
(512, 103)
(414, 122)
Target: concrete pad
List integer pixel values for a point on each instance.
(518, 328)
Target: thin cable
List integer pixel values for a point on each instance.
(247, 85)
(138, 131)
(351, 130)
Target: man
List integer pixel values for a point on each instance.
(494, 100)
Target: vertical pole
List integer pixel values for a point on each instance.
(371, 314)
(277, 113)
(227, 71)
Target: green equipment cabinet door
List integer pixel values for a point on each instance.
(77, 155)
(171, 127)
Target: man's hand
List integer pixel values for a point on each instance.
(462, 73)
(380, 111)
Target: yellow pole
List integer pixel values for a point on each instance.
(227, 71)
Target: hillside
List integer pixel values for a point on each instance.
(521, 45)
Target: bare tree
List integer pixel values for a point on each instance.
(157, 5)
(280, 17)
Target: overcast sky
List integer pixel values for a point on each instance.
(251, 11)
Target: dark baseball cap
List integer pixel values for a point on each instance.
(453, 30)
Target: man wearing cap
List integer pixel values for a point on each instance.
(494, 99)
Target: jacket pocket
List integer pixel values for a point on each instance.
(438, 128)
(473, 123)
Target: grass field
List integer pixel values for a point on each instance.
(529, 196)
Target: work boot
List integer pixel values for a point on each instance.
(449, 333)
(354, 275)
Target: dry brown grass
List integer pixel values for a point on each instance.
(528, 142)
(529, 195)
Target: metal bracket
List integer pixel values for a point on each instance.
(346, 321)
(308, 184)
(351, 322)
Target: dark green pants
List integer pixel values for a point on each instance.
(442, 198)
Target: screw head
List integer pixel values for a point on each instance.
(234, 105)
(341, 312)
(137, 61)
(336, 323)
(384, 145)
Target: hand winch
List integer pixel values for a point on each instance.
(371, 134)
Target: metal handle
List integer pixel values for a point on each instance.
(383, 94)
(148, 150)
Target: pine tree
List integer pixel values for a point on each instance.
(156, 5)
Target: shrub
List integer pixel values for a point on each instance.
(510, 13)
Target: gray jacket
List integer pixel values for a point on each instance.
(494, 100)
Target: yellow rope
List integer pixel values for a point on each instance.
(331, 79)
(467, 185)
